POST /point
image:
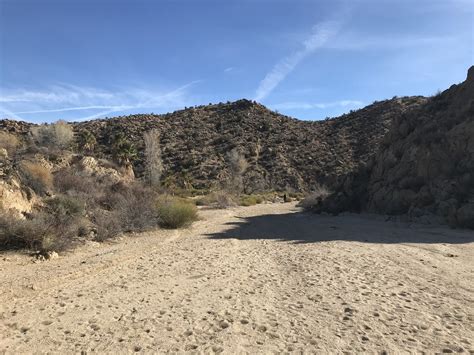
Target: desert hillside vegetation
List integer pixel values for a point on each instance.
(65, 183)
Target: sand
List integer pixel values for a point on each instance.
(261, 279)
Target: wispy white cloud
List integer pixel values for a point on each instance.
(8, 114)
(67, 98)
(229, 69)
(359, 41)
(321, 105)
(321, 34)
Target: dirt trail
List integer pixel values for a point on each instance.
(266, 278)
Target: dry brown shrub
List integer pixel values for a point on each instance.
(217, 199)
(125, 208)
(58, 135)
(318, 194)
(40, 232)
(37, 176)
(107, 224)
(9, 141)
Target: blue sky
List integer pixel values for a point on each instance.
(84, 59)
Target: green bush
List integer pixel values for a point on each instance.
(251, 200)
(175, 213)
(217, 199)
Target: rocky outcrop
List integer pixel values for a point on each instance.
(424, 167)
(282, 152)
(15, 199)
(405, 156)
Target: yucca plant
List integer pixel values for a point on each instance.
(87, 141)
(124, 151)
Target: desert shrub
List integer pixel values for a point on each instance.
(66, 180)
(37, 176)
(125, 209)
(65, 206)
(87, 188)
(175, 213)
(41, 231)
(296, 195)
(57, 135)
(123, 150)
(319, 193)
(107, 224)
(9, 141)
(217, 199)
(250, 200)
(86, 141)
(136, 209)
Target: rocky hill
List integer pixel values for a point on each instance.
(425, 166)
(283, 153)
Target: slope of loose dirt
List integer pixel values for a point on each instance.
(258, 279)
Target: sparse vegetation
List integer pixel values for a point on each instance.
(319, 193)
(217, 199)
(37, 176)
(42, 232)
(175, 213)
(9, 142)
(241, 148)
(250, 200)
(87, 141)
(65, 206)
(57, 135)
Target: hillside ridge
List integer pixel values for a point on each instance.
(283, 153)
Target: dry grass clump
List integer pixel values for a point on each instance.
(41, 231)
(65, 206)
(107, 225)
(37, 176)
(134, 205)
(121, 208)
(9, 141)
(217, 199)
(315, 197)
(67, 181)
(175, 213)
(250, 200)
(56, 135)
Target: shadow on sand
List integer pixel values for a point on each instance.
(301, 227)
